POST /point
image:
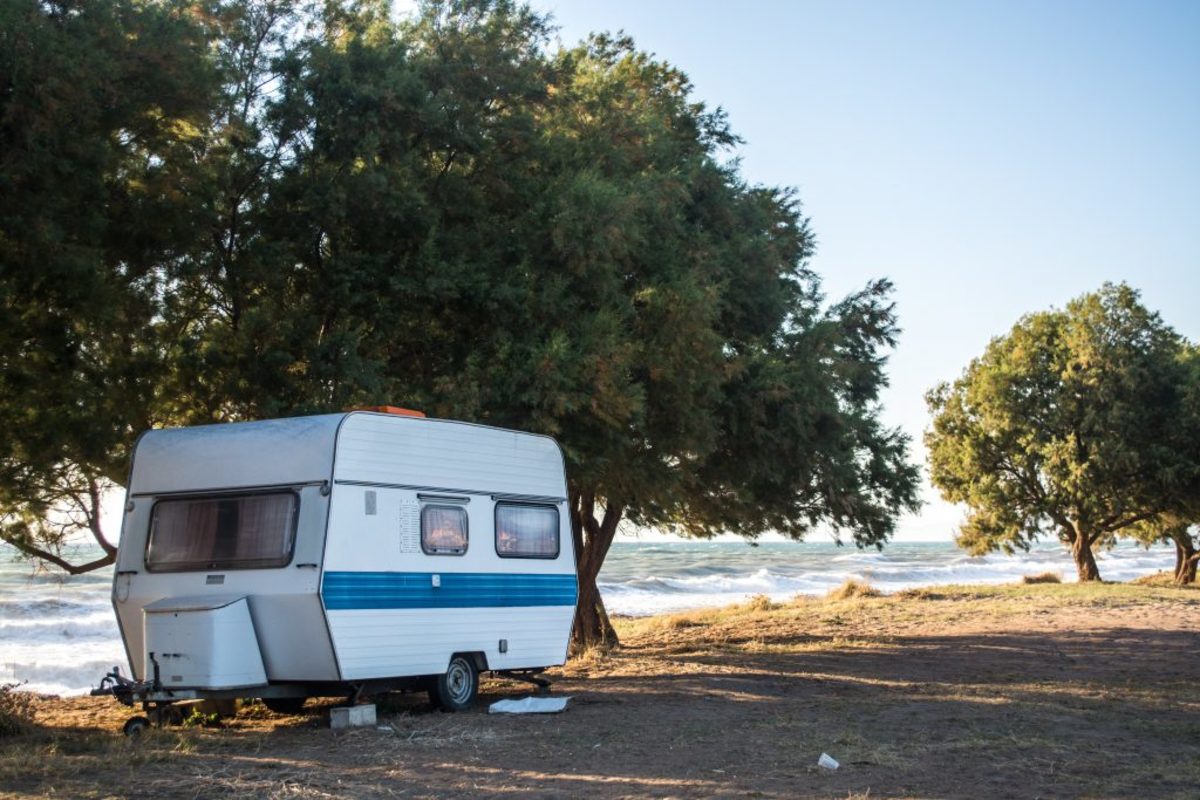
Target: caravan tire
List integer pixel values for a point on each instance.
(456, 689)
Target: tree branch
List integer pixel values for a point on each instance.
(1110, 525)
(62, 563)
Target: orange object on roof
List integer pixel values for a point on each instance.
(397, 410)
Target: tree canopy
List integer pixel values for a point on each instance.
(1079, 423)
(449, 213)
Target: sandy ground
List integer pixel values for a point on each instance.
(1020, 691)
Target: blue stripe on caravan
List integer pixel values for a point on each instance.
(343, 591)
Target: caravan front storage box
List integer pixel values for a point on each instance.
(341, 554)
(204, 642)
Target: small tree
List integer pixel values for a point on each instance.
(1078, 423)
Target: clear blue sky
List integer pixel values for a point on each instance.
(990, 158)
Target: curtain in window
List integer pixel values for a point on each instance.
(264, 526)
(530, 531)
(182, 532)
(444, 529)
(219, 532)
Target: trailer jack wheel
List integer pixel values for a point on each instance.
(134, 727)
(456, 689)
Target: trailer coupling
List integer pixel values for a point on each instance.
(128, 691)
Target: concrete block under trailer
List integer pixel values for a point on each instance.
(340, 555)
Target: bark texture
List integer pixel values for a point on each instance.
(1186, 557)
(1085, 560)
(593, 537)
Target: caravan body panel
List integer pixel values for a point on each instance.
(378, 578)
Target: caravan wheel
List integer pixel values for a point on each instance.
(456, 690)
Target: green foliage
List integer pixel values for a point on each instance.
(97, 101)
(1078, 424)
(199, 719)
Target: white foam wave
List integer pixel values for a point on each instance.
(817, 569)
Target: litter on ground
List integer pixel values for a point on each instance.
(529, 705)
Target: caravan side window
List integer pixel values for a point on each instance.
(249, 531)
(526, 531)
(444, 530)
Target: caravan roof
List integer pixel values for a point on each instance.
(353, 447)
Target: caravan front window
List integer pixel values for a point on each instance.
(249, 531)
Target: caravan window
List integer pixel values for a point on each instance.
(526, 531)
(444, 530)
(250, 531)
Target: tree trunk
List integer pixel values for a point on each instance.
(1085, 561)
(592, 539)
(1185, 558)
(592, 626)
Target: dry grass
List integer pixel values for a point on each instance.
(1164, 578)
(852, 589)
(760, 602)
(1043, 577)
(968, 691)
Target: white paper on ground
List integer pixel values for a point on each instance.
(529, 705)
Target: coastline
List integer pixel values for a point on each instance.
(1013, 690)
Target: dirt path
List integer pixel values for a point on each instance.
(1048, 691)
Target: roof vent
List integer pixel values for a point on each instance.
(400, 412)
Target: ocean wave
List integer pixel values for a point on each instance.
(39, 607)
(692, 580)
(54, 628)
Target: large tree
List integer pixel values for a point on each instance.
(1078, 424)
(558, 242)
(448, 213)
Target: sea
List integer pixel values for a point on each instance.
(58, 634)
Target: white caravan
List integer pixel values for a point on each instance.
(342, 554)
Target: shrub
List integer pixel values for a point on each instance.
(760, 602)
(852, 589)
(16, 710)
(1045, 577)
